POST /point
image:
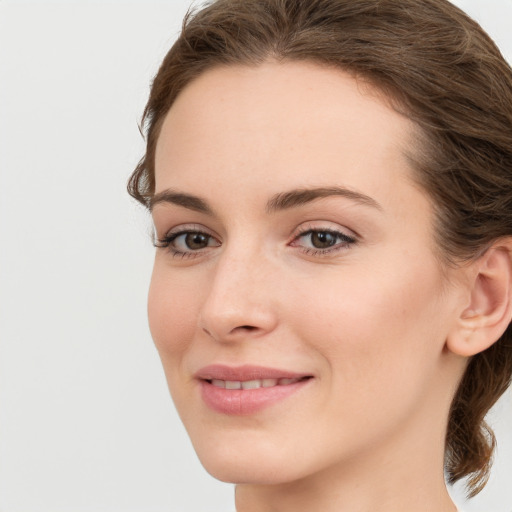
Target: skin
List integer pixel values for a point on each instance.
(368, 320)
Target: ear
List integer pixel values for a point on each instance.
(489, 312)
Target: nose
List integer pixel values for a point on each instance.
(241, 300)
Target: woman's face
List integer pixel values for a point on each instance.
(296, 301)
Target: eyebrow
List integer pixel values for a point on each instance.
(299, 197)
(181, 199)
(280, 201)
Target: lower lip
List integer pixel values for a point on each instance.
(242, 402)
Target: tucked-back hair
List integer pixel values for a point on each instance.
(438, 68)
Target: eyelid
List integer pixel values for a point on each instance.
(345, 240)
(182, 228)
(165, 241)
(324, 226)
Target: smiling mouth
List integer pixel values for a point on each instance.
(255, 383)
(247, 390)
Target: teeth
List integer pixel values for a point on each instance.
(252, 384)
(284, 382)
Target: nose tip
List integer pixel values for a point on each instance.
(225, 324)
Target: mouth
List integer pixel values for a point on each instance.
(255, 383)
(247, 390)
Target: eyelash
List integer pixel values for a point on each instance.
(169, 238)
(344, 241)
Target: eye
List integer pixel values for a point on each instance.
(192, 241)
(322, 241)
(187, 242)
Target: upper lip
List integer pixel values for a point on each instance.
(245, 373)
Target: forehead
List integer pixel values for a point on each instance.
(281, 123)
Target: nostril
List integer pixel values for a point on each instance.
(240, 328)
(244, 330)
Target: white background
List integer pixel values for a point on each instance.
(86, 423)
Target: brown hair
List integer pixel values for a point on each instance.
(441, 70)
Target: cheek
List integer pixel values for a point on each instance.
(375, 325)
(374, 334)
(172, 313)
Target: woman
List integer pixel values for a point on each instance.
(331, 187)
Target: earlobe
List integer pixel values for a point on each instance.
(489, 312)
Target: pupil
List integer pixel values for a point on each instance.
(323, 239)
(196, 240)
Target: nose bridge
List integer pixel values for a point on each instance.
(239, 300)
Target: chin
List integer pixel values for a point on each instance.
(253, 465)
(248, 473)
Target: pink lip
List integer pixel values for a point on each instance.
(240, 402)
(245, 372)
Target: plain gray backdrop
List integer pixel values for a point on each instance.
(86, 423)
